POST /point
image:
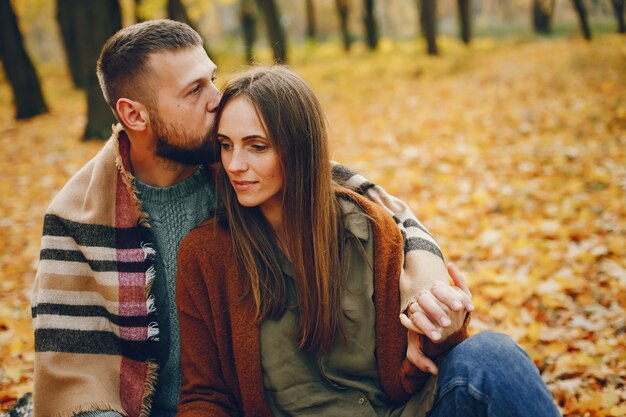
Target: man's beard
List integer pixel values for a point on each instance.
(201, 153)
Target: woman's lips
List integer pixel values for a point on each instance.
(243, 185)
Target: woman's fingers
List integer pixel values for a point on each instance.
(428, 315)
(424, 323)
(408, 324)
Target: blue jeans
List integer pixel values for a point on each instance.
(490, 375)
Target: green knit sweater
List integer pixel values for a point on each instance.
(172, 212)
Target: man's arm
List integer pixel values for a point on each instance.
(424, 269)
(74, 301)
(423, 264)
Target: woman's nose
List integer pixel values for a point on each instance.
(237, 162)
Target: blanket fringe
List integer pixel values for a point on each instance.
(148, 250)
(85, 408)
(150, 304)
(153, 331)
(151, 380)
(150, 275)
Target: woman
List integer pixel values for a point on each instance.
(288, 301)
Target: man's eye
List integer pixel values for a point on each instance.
(196, 89)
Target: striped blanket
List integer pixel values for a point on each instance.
(93, 313)
(94, 318)
(423, 261)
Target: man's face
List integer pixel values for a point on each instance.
(186, 101)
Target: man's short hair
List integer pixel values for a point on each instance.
(122, 67)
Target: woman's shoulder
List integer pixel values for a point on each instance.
(208, 238)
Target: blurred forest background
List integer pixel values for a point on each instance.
(501, 122)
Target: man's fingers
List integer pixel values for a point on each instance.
(459, 281)
(458, 278)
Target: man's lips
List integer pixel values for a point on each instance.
(243, 185)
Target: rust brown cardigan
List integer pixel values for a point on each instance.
(220, 339)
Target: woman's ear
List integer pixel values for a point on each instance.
(132, 114)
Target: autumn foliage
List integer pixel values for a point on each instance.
(512, 154)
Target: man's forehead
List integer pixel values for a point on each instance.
(181, 66)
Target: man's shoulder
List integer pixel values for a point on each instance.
(353, 202)
(89, 190)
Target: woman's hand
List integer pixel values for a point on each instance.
(429, 316)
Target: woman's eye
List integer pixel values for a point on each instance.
(225, 146)
(259, 147)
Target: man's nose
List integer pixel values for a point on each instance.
(215, 99)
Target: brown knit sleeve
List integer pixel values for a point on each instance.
(205, 391)
(412, 377)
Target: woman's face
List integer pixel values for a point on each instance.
(248, 157)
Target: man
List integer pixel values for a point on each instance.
(106, 328)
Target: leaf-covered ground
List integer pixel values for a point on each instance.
(513, 154)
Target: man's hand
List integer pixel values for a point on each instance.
(430, 317)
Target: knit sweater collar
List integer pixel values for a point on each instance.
(149, 193)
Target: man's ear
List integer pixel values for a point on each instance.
(132, 114)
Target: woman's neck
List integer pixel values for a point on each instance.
(274, 215)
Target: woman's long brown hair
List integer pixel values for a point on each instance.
(296, 128)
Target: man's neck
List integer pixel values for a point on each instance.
(156, 171)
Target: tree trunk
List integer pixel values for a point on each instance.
(428, 20)
(311, 27)
(542, 16)
(248, 24)
(465, 20)
(100, 20)
(618, 8)
(176, 11)
(343, 9)
(19, 69)
(275, 31)
(136, 11)
(68, 12)
(371, 28)
(582, 17)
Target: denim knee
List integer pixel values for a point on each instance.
(489, 371)
(485, 349)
